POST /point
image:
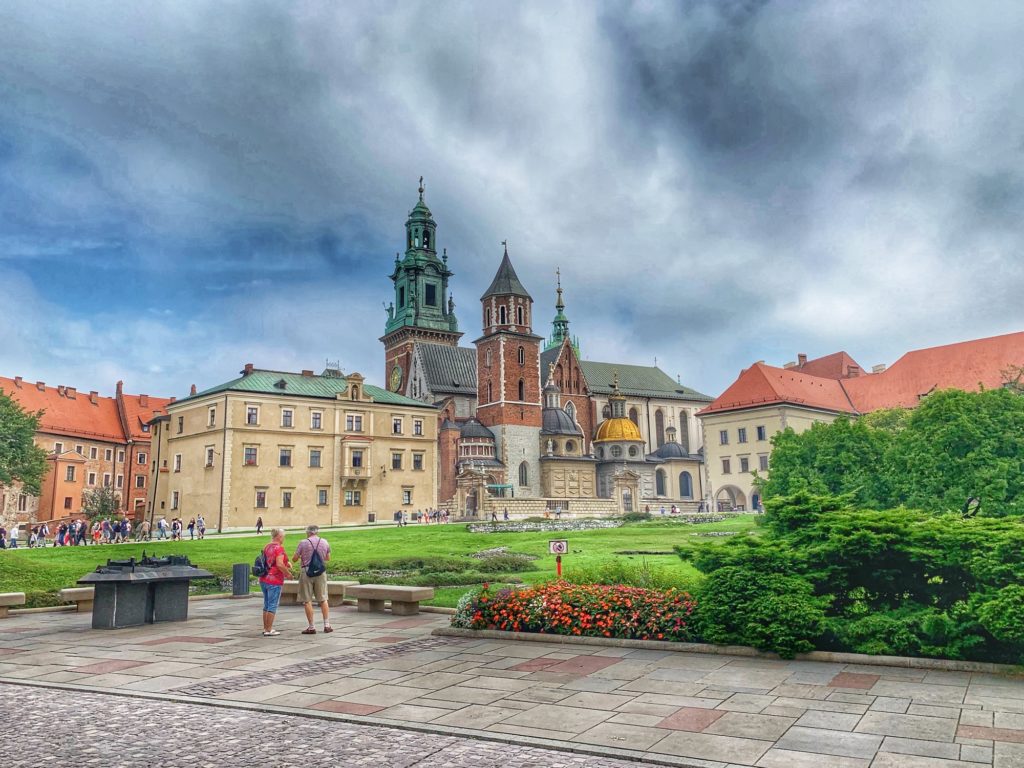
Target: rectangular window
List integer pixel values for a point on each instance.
(92, 452)
(726, 467)
(316, 420)
(286, 499)
(762, 433)
(723, 437)
(321, 497)
(286, 417)
(357, 458)
(69, 474)
(431, 295)
(209, 456)
(396, 461)
(22, 502)
(80, 450)
(106, 479)
(261, 499)
(120, 457)
(108, 454)
(407, 495)
(251, 455)
(142, 460)
(353, 423)
(181, 424)
(252, 415)
(741, 434)
(417, 426)
(174, 499)
(211, 418)
(744, 464)
(119, 483)
(762, 461)
(177, 462)
(58, 447)
(285, 459)
(92, 478)
(140, 481)
(314, 457)
(417, 461)
(353, 498)
(67, 502)
(396, 426)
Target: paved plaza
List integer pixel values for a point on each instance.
(384, 690)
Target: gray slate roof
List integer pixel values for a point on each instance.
(448, 370)
(506, 282)
(637, 380)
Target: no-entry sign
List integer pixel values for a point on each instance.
(558, 546)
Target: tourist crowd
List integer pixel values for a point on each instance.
(77, 533)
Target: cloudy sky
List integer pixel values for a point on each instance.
(191, 186)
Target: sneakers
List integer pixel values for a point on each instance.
(309, 631)
(328, 628)
(271, 633)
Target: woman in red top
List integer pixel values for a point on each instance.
(271, 584)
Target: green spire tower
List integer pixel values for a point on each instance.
(560, 325)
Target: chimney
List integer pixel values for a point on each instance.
(247, 370)
(93, 397)
(307, 372)
(801, 359)
(880, 368)
(172, 399)
(853, 371)
(143, 401)
(60, 390)
(70, 392)
(120, 388)
(789, 365)
(193, 390)
(17, 381)
(41, 386)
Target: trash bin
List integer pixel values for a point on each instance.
(240, 580)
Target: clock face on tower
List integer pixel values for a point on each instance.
(396, 378)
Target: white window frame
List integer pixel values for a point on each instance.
(287, 415)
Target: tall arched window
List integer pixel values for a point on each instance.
(487, 358)
(490, 396)
(570, 409)
(522, 390)
(519, 315)
(606, 412)
(685, 485)
(659, 482)
(634, 417)
(684, 430)
(524, 474)
(522, 356)
(502, 315)
(659, 427)
(488, 315)
(426, 238)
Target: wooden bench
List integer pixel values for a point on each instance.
(405, 601)
(7, 599)
(335, 591)
(83, 597)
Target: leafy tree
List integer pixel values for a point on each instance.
(21, 460)
(101, 502)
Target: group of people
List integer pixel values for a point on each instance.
(174, 529)
(80, 532)
(313, 553)
(435, 516)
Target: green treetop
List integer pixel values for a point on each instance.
(21, 460)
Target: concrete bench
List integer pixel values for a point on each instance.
(7, 599)
(83, 597)
(335, 591)
(405, 601)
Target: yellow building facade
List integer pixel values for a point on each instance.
(293, 449)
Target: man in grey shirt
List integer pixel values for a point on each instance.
(313, 587)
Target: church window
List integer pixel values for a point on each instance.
(490, 397)
(524, 474)
(570, 409)
(401, 297)
(488, 318)
(502, 315)
(522, 356)
(570, 446)
(685, 485)
(616, 451)
(606, 412)
(431, 298)
(426, 239)
(634, 417)
(487, 356)
(633, 451)
(659, 482)
(522, 390)
(659, 427)
(600, 453)
(519, 315)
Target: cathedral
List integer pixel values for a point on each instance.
(525, 423)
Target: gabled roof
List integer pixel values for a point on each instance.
(67, 411)
(136, 413)
(834, 366)
(447, 369)
(506, 282)
(762, 384)
(297, 384)
(636, 380)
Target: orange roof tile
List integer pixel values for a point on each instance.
(834, 366)
(139, 409)
(67, 411)
(762, 384)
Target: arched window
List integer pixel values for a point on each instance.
(519, 315)
(570, 409)
(524, 474)
(490, 395)
(616, 451)
(426, 238)
(487, 356)
(684, 430)
(522, 356)
(634, 417)
(685, 485)
(633, 451)
(659, 482)
(502, 315)
(606, 412)
(522, 390)
(659, 427)
(488, 316)
(570, 446)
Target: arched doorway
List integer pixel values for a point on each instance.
(730, 499)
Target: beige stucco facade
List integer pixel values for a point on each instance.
(292, 459)
(738, 443)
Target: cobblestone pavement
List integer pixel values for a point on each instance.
(661, 706)
(59, 727)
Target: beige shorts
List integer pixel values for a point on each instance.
(311, 589)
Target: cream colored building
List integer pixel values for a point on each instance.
(294, 449)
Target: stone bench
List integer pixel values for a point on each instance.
(7, 599)
(405, 601)
(335, 591)
(83, 597)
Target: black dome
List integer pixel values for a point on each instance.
(557, 422)
(671, 451)
(475, 429)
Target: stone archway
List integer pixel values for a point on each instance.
(730, 498)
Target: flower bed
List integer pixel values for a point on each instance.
(593, 610)
(553, 525)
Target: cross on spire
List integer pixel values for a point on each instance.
(504, 244)
(421, 189)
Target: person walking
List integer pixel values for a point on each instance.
(313, 587)
(201, 526)
(259, 525)
(278, 570)
(161, 528)
(13, 537)
(192, 529)
(3, 537)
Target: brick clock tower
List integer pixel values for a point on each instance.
(509, 378)
(422, 310)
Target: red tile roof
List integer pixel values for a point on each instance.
(67, 411)
(139, 409)
(967, 365)
(834, 366)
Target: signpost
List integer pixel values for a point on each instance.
(558, 547)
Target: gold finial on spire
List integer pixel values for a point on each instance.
(421, 189)
(615, 382)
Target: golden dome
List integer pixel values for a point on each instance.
(617, 429)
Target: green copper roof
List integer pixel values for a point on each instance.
(506, 281)
(283, 383)
(637, 380)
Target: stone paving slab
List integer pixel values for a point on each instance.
(674, 708)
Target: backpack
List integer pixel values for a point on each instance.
(260, 566)
(316, 563)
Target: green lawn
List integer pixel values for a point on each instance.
(40, 573)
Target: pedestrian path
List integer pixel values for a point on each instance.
(654, 706)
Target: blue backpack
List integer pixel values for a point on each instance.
(260, 566)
